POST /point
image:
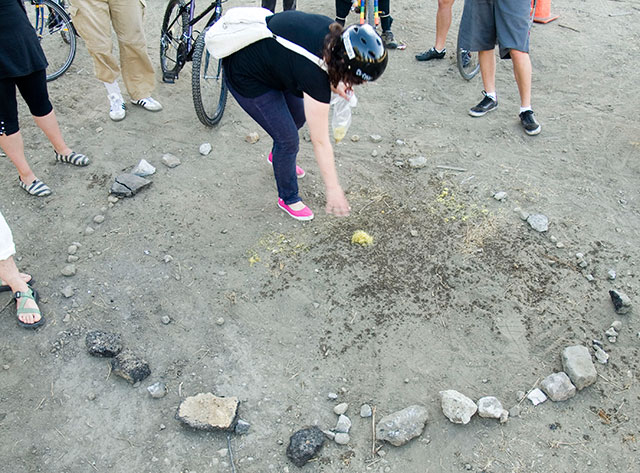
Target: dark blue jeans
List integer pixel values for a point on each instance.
(281, 115)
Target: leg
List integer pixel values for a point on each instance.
(13, 147)
(487, 60)
(342, 10)
(289, 4)
(272, 113)
(443, 22)
(10, 274)
(269, 5)
(522, 73)
(137, 71)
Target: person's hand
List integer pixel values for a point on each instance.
(343, 90)
(337, 203)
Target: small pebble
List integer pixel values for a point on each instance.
(98, 218)
(157, 390)
(89, 230)
(167, 258)
(72, 259)
(67, 292)
(341, 408)
(162, 426)
(500, 196)
(374, 153)
(112, 199)
(332, 396)
(366, 411)
(72, 249)
(375, 138)
(611, 274)
(5, 367)
(91, 396)
(220, 321)
(355, 138)
(252, 138)
(68, 270)
(414, 233)
(616, 325)
(559, 245)
(342, 438)
(99, 129)
(589, 277)
(166, 319)
(205, 149)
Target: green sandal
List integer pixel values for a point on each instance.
(21, 309)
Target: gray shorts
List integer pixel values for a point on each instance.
(487, 22)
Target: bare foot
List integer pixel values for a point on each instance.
(30, 313)
(24, 276)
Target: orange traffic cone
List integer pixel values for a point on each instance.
(543, 12)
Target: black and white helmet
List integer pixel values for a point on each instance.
(365, 52)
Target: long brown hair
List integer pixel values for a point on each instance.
(335, 56)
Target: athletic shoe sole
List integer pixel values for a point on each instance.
(474, 113)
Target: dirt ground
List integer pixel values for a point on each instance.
(457, 292)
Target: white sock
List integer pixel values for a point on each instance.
(112, 88)
(524, 109)
(491, 95)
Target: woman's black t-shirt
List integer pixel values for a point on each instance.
(20, 51)
(267, 65)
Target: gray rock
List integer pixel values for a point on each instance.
(67, 292)
(220, 321)
(343, 425)
(331, 435)
(616, 325)
(490, 407)
(68, 270)
(611, 274)
(401, 426)
(72, 250)
(72, 259)
(418, 162)
(88, 230)
(539, 222)
(113, 199)
(523, 214)
(205, 149)
(157, 390)
(366, 411)
(577, 363)
(457, 407)
(536, 396)
(341, 408)
(500, 196)
(127, 185)
(515, 411)
(205, 411)
(558, 387)
(375, 138)
(520, 395)
(342, 438)
(130, 366)
(304, 445)
(242, 427)
(612, 339)
(601, 355)
(332, 396)
(165, 319)
(98, 219)
(374, 153)
(621, 302)
(559, 245)
(143, 169)
(103, 344)
(611, 332)
(170, 160)
(252, 138)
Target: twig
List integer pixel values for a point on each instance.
(180, 389)
(450, 168)
(609, 381)
(91, 464)
(109, 373)
(568, 27)
(624, 13)
(41, 403)
(565, 444)
(529, 391)
(373, 432)
(131, 444)
(61, 434)
(294, 376)
(233, 466)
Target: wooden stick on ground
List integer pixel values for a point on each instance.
(373, 432)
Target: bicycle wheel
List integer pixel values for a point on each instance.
(173, 47)
(468, 64)
(208, 87)
(56, 34)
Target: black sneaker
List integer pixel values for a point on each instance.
(431, 54)
(529, 123)
(486, 105)
(389, 40)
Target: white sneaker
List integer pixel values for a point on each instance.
(117, 111)
(148, 103)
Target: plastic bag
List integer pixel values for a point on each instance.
(341, 118)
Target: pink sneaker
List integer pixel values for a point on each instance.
(299, 171)
(304, 214)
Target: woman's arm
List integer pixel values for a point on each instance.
(317, 115)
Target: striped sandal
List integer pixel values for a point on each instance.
(37, 187)
(74, 158)
(21, 309)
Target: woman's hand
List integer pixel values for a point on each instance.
(343, 90)
(337, 203)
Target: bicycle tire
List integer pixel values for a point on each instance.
(470, 67)
(48, 19)
(208, 87)
(172, 45)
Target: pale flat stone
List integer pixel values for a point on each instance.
(206, 411)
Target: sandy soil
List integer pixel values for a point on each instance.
(456, 293)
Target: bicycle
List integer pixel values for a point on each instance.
(369, 13)
(180, 43)
(55, 32)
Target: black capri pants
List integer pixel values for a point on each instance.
(33, 89)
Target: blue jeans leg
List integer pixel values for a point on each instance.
(280, 114)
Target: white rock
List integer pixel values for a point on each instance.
(143, 169)
(205, 149)
(601, 355)
(343, 425)
(375, 138)
(457, 407)
(418, 162)
(366, 411)
(341, 408)
(490, 407)
(616, 325)
(611, 332)
(332, 396)
(536, 396)
(500, 196)
(341, 438)
(538, 222)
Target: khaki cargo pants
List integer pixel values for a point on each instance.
(93, 20)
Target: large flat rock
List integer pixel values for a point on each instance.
(205, 411)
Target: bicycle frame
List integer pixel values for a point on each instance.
(216, 6)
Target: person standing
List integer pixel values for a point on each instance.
(507, 23)
(23, 65)
(93, 19)
(27, 310)
(344, 6)
(443, 22)
(286, 5)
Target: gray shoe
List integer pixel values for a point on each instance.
(388, 40)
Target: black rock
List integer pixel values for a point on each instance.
(304, 444)
(621, 302)
(127, 185)
(130, 366)
(104, 344)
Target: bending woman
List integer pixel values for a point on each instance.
(281, 89)
(22, 65)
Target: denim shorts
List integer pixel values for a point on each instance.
(486, 23)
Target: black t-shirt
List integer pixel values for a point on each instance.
(20, 51)
(267, 65)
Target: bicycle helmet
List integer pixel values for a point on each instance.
(365, 51)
